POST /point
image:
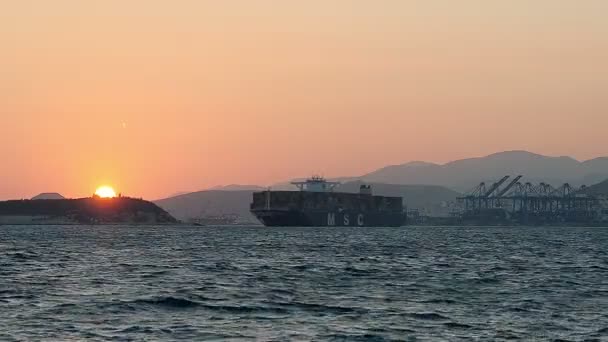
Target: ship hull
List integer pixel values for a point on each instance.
(323, 218)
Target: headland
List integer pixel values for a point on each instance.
(91, 210)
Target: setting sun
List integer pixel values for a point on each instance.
(105, 192)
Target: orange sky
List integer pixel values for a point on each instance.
(159, 96)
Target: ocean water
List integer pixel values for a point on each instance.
(127, 283)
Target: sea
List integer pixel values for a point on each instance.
(166, 283)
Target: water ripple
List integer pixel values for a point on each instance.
(133, 283)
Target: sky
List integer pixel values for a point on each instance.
(158, 96)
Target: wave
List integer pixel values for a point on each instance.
(603, 331)
(171, 302)
(155, 274)
(301, 268)
(283, 292)
(182, 303)
(487, 280)
(324, 308)
(351, 337)
(358, 271)
(439, 301)
(429, 316)
(455, 325)
(23, 255)
(8, 291)
(137, 329)
(246, 309)
(597, 267)
(518, 309)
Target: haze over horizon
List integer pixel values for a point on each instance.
(154, 97)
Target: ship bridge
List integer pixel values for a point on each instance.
(316, 184)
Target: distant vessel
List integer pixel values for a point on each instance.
(316, 204)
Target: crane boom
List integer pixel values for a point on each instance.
(495, 186)
(508, 187)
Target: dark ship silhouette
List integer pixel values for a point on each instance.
(316, 204)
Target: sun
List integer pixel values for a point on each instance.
(105, 192)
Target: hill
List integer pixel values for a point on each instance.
(238, 187)
(600, 188)
(48, 196)
(209, 203)
(462, 175)
(430, 198)
(82, 210)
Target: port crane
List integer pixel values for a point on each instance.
(527, 202)
(508, 187)
(495, 186)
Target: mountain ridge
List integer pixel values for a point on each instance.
(465, 173)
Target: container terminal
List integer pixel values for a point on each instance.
(515, 202)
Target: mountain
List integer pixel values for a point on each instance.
(600, 188)
(178, 193)
(432, 199)
(238, 187)
(209, 203)
(597, 170)
(464, 174)
(48, 196)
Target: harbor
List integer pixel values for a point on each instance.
(512, 201)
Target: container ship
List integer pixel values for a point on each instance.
(315, 203)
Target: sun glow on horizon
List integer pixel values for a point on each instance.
(105, 192)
